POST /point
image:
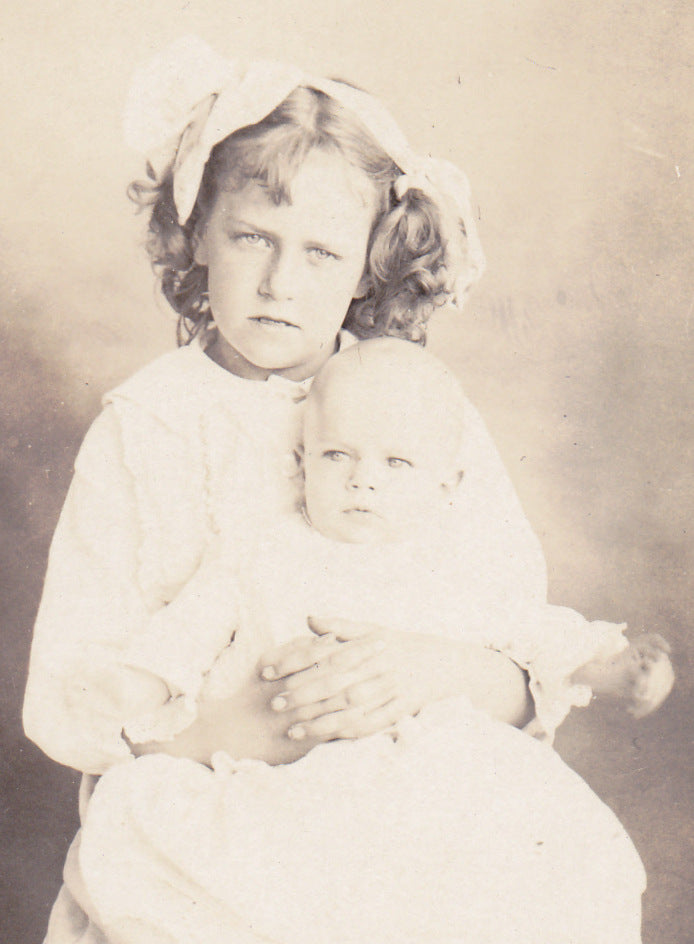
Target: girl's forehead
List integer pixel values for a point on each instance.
(328, 204)
(323, 176)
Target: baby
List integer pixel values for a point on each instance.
(299, 837)
(383, 430)
(378, 540)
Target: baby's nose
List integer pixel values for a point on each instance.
(364, 475)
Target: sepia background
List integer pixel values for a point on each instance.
(574, 122)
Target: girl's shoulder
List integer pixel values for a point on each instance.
(179, 382)
(177, 389)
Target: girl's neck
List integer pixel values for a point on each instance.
(227, 357)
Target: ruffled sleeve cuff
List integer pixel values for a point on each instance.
(550, 643)
(181, 645)
(162, 725)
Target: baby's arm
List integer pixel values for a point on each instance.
(640, 675)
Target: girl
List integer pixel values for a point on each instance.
(287, 213)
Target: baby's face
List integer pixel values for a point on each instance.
(375, 472)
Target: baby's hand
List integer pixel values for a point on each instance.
(650, 673)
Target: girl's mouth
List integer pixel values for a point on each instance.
(272, 322)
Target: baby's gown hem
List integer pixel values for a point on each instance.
(454, 828)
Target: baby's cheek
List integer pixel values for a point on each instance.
(434, 499)
(414, 512)
(317, 498)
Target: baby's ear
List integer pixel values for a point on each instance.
(453, 481)
(299, 456)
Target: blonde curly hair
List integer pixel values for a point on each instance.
(405, 272)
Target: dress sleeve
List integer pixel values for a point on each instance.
(110, 655)
(551, 643)
(491, 518)
(548, 642)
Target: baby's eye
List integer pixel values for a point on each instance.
(396, 463)
(335, 455)
(320, 254)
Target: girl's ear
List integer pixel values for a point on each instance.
(199, 245)
(364, 285)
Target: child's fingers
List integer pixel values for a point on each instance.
(661, 643)
(295, 656)
(653, 687)
(332, 675)
(306, 652)
(642, 707)
(340, 660)
(649, 643)
(385, 716)
(335, 693)
(315, 685)
(327, 727)
(370, 693)
(343, 629)
(349, 655)
(348, 723)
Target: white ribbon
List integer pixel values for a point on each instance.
(188, 99)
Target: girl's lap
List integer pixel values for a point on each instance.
(447, 758)
(467, 815)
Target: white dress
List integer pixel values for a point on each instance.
(480, 833)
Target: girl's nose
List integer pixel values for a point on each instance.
(279, 277)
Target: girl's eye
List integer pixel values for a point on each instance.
(395, 463)
(335, 455)
(252, 239)
(316, 252)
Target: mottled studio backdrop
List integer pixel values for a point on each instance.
(574, 122)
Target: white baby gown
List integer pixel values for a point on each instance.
(479, 834)
(451, 827)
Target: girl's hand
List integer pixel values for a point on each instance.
(357, 679)
(243, 724)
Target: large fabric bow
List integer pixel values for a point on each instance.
(189, 98)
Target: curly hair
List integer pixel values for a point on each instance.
(405, 272)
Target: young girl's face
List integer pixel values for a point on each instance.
(281, 277)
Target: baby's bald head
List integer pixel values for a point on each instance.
(389, 411)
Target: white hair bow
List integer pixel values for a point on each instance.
(188, 99)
